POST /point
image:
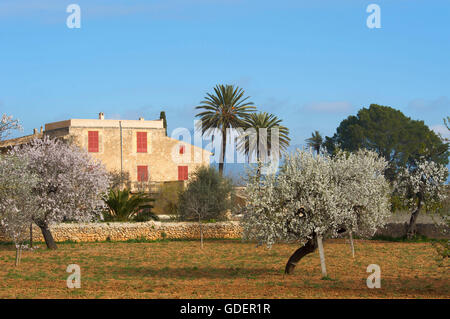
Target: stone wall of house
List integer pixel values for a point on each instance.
(158, 230)
(162, 157)
(118, 146)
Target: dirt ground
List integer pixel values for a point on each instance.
(223, 269)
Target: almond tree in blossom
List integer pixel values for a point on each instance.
(422, 185)
(7, 124)
(315, 197)
(71, 183)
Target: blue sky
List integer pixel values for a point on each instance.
(312, 63)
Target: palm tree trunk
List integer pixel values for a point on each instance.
(223, 150)
(322, 256)
(258, 171)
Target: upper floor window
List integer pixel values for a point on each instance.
(142, 173)
(182, 149)
(142, 142)
(93, 145)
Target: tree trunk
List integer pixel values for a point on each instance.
(49, 241)
(201, 235)
(322, 256)
(223, 150)
(17, 256)
(306, 249)
(31, 235)
(350, 235)
(411, 232)
(258, 171)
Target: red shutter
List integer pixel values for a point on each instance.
(182, 173)
(142, 173)
(142, 142)
(93, 141)
(181, 149)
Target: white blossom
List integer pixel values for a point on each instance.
(17, 201)
(422, 184)
(71, 181)
(317, 194)
(8, 123)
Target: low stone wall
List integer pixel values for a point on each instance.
(397, 230)
(124, 231)
(157, 230)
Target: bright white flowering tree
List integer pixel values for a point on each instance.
(422, 185)
(71, 183)
(17, 201)
(363, 191)
(8, 123)
(314, 197)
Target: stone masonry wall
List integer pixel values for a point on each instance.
(124, 231)
(157, 230)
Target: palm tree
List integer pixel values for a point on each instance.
(226, 108)
(124, 206)
(315, 141)
(258, 121)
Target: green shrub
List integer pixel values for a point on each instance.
(123, 206)
(206, 197)
(166, 200)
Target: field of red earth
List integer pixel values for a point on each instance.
(223, 269)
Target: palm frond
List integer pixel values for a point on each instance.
(315, 141)
(125, 206)
(250, 142)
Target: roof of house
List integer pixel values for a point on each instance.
(20, 140)
(101, 123)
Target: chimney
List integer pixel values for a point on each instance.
(101, 116)
(141, 119)
(34, 131)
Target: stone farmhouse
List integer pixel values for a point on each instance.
(137, 148)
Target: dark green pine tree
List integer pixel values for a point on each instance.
(387, 131)
(162, 116)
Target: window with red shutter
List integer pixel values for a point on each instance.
(93, 142)
(181, 149)
(182, 173)
(142, 142)
(142, 173)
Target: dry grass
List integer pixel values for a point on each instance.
(224, 269)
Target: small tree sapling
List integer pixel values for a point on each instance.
(17, 200)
